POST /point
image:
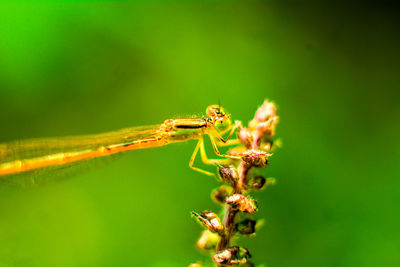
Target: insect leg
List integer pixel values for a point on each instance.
(200, 144)
(231, 130)
(215, 147)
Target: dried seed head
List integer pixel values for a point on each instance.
(208, 240)
(246, 227)
(242, 203)
(223, 257)
(258, 159)
(219, 194)
(267, 128)
(232, 256)
(228, 174)
(209, 220)
(264, 123)
(256, 183)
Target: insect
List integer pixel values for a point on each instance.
(36, 154)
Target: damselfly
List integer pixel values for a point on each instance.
(36, 154)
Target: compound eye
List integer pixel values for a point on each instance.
(223, 124)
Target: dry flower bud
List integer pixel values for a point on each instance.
(246, 227)
(223, 257)
(245, 136)
(266, 111)
(267, 128)
(267, 145)
(242, 203)
(209, 220)
(264, 123)
(228, 173)
(258, 159)
(232, 256)
(208, 240)
(219, 194)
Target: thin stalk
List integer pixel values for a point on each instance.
(230, 213)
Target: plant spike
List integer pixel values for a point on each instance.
(256, 144)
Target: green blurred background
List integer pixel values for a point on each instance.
(78, 68)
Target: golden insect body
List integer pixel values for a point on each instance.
(23, 156)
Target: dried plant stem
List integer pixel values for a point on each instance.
(230, 213)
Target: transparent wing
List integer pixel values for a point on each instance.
(34, 148)
(52, 174)
(31, 148)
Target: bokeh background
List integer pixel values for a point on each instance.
(86, 67)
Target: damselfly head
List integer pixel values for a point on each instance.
(219, 117)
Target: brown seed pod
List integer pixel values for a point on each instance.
(210, 221)
(242, 203)
(232, 256)
(228, 174)
(258, 159)
(246, 227)
(219, 194)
